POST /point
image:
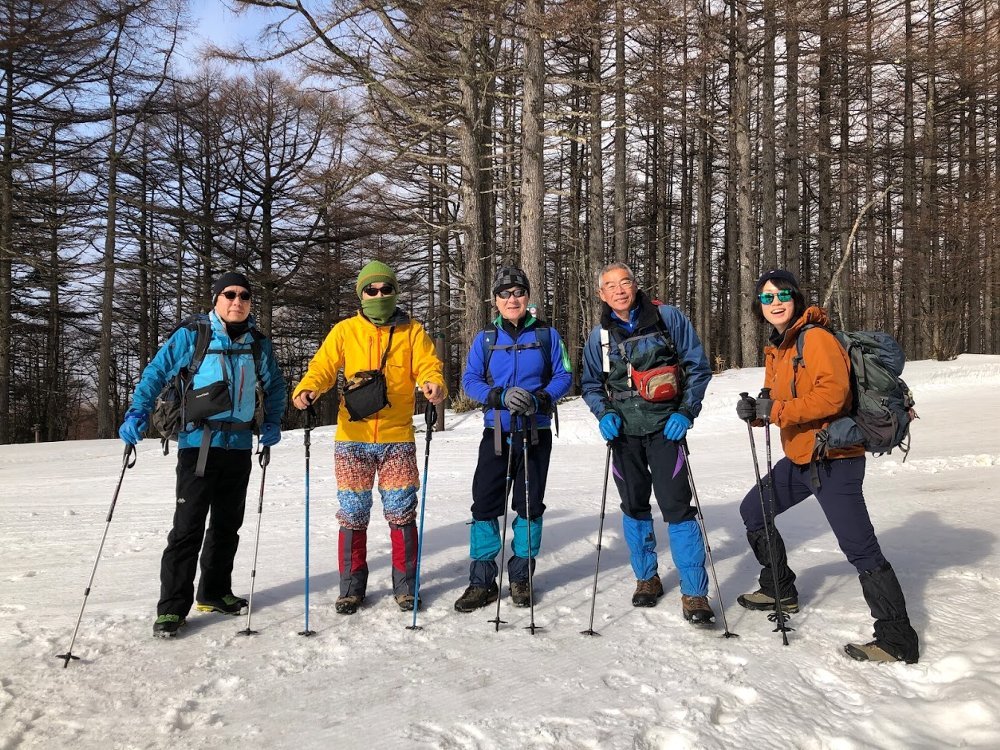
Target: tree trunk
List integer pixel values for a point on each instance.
(532, 149)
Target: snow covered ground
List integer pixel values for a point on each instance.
(650, 681)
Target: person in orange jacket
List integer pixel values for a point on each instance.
(380, 337)
(804, 399)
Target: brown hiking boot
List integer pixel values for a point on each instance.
(520, 594)
(348, 605)
(405, 602)
(697, 610)
(647, 592)
(872, 651)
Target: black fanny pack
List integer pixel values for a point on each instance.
(367, 392)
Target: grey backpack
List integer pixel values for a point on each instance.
(882, 407)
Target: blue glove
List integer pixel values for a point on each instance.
(136, 422)
(270, 434)
(610, 424)
(676, 427)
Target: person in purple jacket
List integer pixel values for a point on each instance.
(518, 368)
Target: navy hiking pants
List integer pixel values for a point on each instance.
(841, 497)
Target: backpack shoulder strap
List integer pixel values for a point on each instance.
(202, 339)
(797, 360)
(489, 341)
(256, 337)
(605, 350)
(543, 335)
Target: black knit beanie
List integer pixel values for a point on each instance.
(230, 278)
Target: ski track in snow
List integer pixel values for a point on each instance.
(650, 681)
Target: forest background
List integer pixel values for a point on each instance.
(854, 142)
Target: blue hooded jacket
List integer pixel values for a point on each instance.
(516, 367)
(239, 369)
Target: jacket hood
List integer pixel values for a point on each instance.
(813, 315)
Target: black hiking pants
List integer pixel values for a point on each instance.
(489, 483)
(647, 465)
(222, 492)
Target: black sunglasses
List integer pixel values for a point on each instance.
(231, 295)
(515, 292)
(374, 291)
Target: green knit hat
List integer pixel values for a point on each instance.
(376, 271)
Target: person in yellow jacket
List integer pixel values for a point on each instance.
(380, 337)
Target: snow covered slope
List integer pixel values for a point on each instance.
(650, 681)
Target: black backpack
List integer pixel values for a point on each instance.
(178, 405)
(882, 404)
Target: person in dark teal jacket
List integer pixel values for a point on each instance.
(640, 341)
(219, 484)
(518, 369)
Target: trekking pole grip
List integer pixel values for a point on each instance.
(430, 417)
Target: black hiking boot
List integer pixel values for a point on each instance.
(764, 602)
(647, 592)
(226, 605)
(166, 626)
(477, 597)
(697, 610)
(348, 605)
(520, 594)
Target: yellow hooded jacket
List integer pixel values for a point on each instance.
(357, 344)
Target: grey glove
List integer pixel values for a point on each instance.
(764, 406)
(746, 408)
(519, 401)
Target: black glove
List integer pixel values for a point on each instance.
(544, 401)
(494, 400)
(764, 406)
(746, 408)
(519, 401)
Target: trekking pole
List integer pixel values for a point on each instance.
(708, 546)
(780, 618)
(430, 418)
(310, 416)
(126, 464)
(506, 504)
(779, 614)
(264, 460)
(527, 513)
(600, 533)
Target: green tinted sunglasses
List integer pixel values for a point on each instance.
(783, 295)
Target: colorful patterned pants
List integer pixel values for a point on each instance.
(356, 465)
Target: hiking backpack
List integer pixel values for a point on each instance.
(882, 403)
(543, 341)
(174, 408)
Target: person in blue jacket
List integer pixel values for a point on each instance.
(223, 441)
(644, 377)
(518, 368)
